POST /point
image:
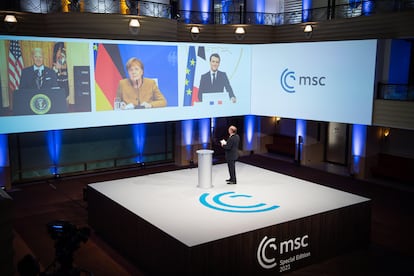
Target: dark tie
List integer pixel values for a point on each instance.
(38, 78)
(214, 78)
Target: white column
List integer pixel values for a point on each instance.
(205, 161)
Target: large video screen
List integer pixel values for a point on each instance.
(324, 81)
(62, 83)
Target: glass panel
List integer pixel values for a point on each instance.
(89, 149)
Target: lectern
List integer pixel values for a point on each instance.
(205, 161)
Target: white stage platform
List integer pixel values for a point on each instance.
(279, 222)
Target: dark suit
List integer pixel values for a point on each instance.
(231, 151)
(30, 79)
(221, 82)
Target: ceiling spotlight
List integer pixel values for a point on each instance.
(10, 18)
(239, 30)
(134, 26)
(195, 32)
(10, 23)
(308, 29)
(239, 33)
(134, 23)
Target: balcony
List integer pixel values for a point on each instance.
(397, 92)
(238, 15)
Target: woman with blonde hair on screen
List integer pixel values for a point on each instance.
(137, 91)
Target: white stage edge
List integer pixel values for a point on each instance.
(171, 201)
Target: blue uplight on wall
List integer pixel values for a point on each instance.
(306, 8)
(54, 143)
(300, 139)
(225, 8)
(205, 8)
(187, 131)
(367, 7)
(3, 151)
(139, 134)
(249, 126)
(204, 127)
(187, 8)
(3, 155)
(300, 130)
(359, 135)
(260, 7)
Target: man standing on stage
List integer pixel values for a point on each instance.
(231, 148)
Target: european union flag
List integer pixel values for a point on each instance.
(189, 76)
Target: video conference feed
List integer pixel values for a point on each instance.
(216, 79)
(50, 83)
(122, 69)
(44, 77)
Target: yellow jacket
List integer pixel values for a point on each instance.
(148, 92)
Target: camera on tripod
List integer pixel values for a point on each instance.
(65, 232)
(67, 239)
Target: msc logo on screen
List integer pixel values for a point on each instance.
(289, 80)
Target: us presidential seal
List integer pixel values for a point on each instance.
(40, 104)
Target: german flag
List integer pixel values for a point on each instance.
(109, 70)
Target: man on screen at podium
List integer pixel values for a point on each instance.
(38, 76)
(231, 151)
(215, 81)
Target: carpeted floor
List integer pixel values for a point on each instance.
(37, 204)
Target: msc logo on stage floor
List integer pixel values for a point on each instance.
(235, 203)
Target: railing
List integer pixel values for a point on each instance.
(49, 171)
(146, 8)
(295, 17)
(399, 92)
(153, 9)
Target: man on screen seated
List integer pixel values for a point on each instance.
(215, 80)
(38, 76)
(137, 91)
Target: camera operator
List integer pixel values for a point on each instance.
(67, 239)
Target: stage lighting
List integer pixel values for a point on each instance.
(308, 30)
(239, 33)
(195, 32)
(10, 22)
(134, 26)
(10, 18)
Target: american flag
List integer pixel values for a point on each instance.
(15, 65)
